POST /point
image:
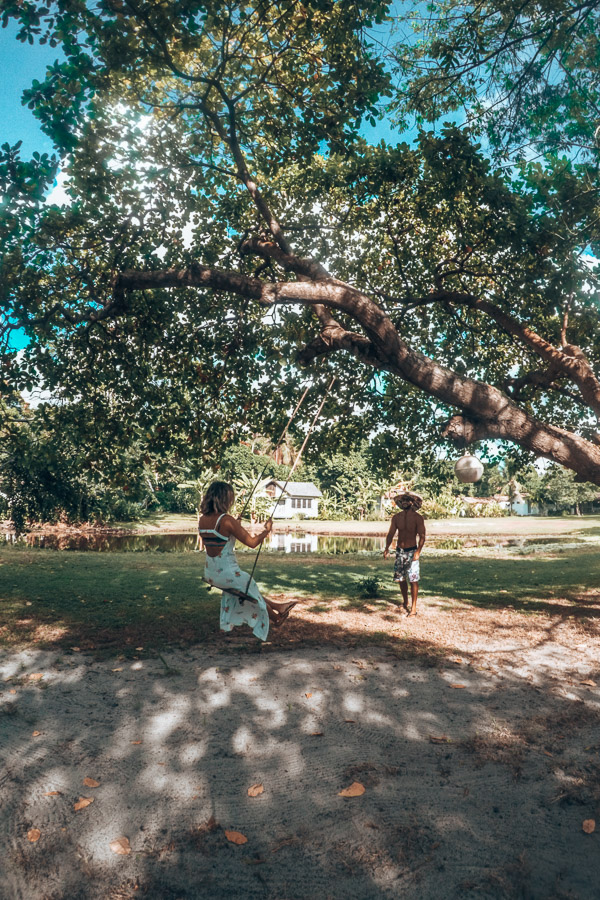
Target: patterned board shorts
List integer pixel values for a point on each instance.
(405, 567)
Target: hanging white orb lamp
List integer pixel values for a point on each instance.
(468, 468)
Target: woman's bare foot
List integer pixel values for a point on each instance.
(283, 608)
(278, 612)
(412, 613)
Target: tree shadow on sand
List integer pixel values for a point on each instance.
(475, 784)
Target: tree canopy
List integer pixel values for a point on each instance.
(230, 231)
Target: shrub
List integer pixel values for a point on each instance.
(491, 510)
(369, 587)
(445, 506)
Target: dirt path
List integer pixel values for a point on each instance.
(473, 733)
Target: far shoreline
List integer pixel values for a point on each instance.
(506, 526)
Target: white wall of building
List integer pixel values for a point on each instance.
(296, 507)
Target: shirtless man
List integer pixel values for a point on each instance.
(410, 526)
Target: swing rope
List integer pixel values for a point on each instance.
(296, 461)
(279, 443)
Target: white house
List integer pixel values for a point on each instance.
(299, 500)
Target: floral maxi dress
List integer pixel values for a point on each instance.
(223, 571)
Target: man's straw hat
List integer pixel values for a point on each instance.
(415, 499)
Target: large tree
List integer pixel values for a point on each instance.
(228, 222)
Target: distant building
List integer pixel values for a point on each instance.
(521, 504)
(299, 500)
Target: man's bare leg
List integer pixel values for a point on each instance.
(404, 590)
(414, 590)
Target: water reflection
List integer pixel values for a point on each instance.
(296, 542)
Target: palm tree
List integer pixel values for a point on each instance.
(249, 486)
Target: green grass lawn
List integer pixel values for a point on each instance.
(121, 601)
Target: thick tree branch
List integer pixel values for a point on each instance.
(494, 413)
(333, 337)
(569, 361)
(308, 268)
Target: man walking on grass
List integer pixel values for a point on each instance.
(410, 526)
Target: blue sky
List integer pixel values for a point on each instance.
(21, 63)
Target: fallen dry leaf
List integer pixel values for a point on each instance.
(236, 837)
(589, 825)
(76, 649)
(255, 789)
(136, 742)
(458, 686)
(33, 835)
(350, 721)
(120, 846)
(316, 734)
(442, 739)
(36, 676)
(355, 790)
(118, 669)
(139, 648)
(589, 682)
(12, 691)
(52, 794)
(91, 782)
(308, 695)
(35, 733)
(82, 803)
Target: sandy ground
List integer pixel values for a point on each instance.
(473, 733)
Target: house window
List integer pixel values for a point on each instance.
(301, 503)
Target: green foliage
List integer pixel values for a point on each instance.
(484, 510)
(166, 119)
(332, 507)
(558, 489)
(539, 61)
(444, 505)
(240, 462)
(350, 486)
(47, 475)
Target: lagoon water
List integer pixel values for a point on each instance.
(296, 542)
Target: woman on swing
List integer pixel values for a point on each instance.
(241, 601)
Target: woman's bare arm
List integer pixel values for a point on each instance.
(231, 527)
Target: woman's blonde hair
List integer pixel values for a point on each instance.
(218, 498)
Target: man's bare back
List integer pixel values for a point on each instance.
(408, 524)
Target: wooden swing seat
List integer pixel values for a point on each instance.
(241, 595)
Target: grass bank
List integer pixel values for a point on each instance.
(120, 602)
